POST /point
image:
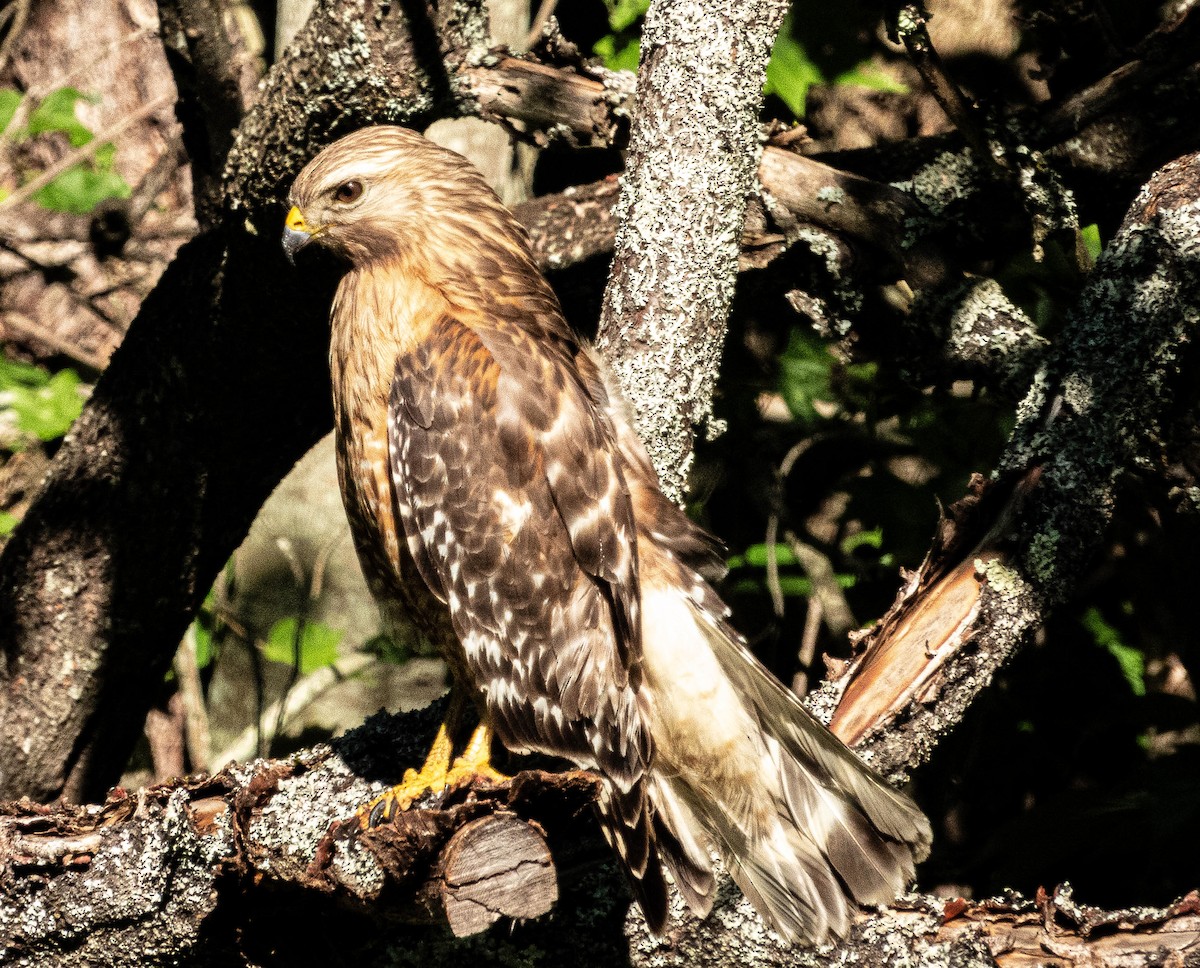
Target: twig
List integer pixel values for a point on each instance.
(911, 27)
(195, 712)
(288, 551)
(773, 585)
(286, 708)
(545, 11)
(35, 330)
(52, 850)
(808, 645)
(772, 536)
(838, 617)
(18, 12)
(76, 155)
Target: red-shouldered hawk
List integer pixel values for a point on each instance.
(479, 438)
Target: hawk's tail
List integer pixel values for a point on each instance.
(805, 828)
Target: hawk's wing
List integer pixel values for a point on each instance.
(514, 508)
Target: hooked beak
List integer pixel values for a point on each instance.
(296, 234)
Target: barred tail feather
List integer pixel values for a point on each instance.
(627, 823)
(804, 827)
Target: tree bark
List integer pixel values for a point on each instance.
(693, 151)
(228, 870)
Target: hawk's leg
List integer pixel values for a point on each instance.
(476, 760)
(437, 773)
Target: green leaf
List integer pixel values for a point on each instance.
(756, 556)
(620, 49)
(8, 523)
(14, 373)
(46, 411)
(871, 539)
(805, 374)
(618, 54)
(790, 71)
(10, 100)
(57, 113)
(868, 74)
(318, 644)
(1131, 660)
(204, 643)
(623, 14)
(1089, 235)
(81, 188)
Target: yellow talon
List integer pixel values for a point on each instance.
(436, 775)
(476, 760)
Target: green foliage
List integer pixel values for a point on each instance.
(10, 100)
(7, 523)
(203, 628)
(314, 645)
(56, 112)
(620, 49)
(84, 185)
(1131, 660)
(749, 572)
(810, 373)
(756, 557)
(1089, 235)
(792, 70)
(37, 404)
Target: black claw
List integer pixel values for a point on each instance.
(380, 813)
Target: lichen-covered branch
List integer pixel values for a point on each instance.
(227, 870)
(693, 154)
(1016, 548)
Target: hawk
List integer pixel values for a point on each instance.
(481, 443)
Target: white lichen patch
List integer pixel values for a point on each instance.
(949, 178)
(290, 827)
(831, 195)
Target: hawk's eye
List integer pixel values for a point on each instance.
(348, 192)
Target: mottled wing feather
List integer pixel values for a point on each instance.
(495, 501)
(581, 463)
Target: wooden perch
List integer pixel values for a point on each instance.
(229, 869)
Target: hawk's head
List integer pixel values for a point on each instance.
(376, 194)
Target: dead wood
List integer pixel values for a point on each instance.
(240, 869)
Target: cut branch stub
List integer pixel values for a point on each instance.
(494, 867)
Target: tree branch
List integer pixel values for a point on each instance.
(690, 168)
(1013, 550)
(220, 870)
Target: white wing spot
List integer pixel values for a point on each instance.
(512, 515)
